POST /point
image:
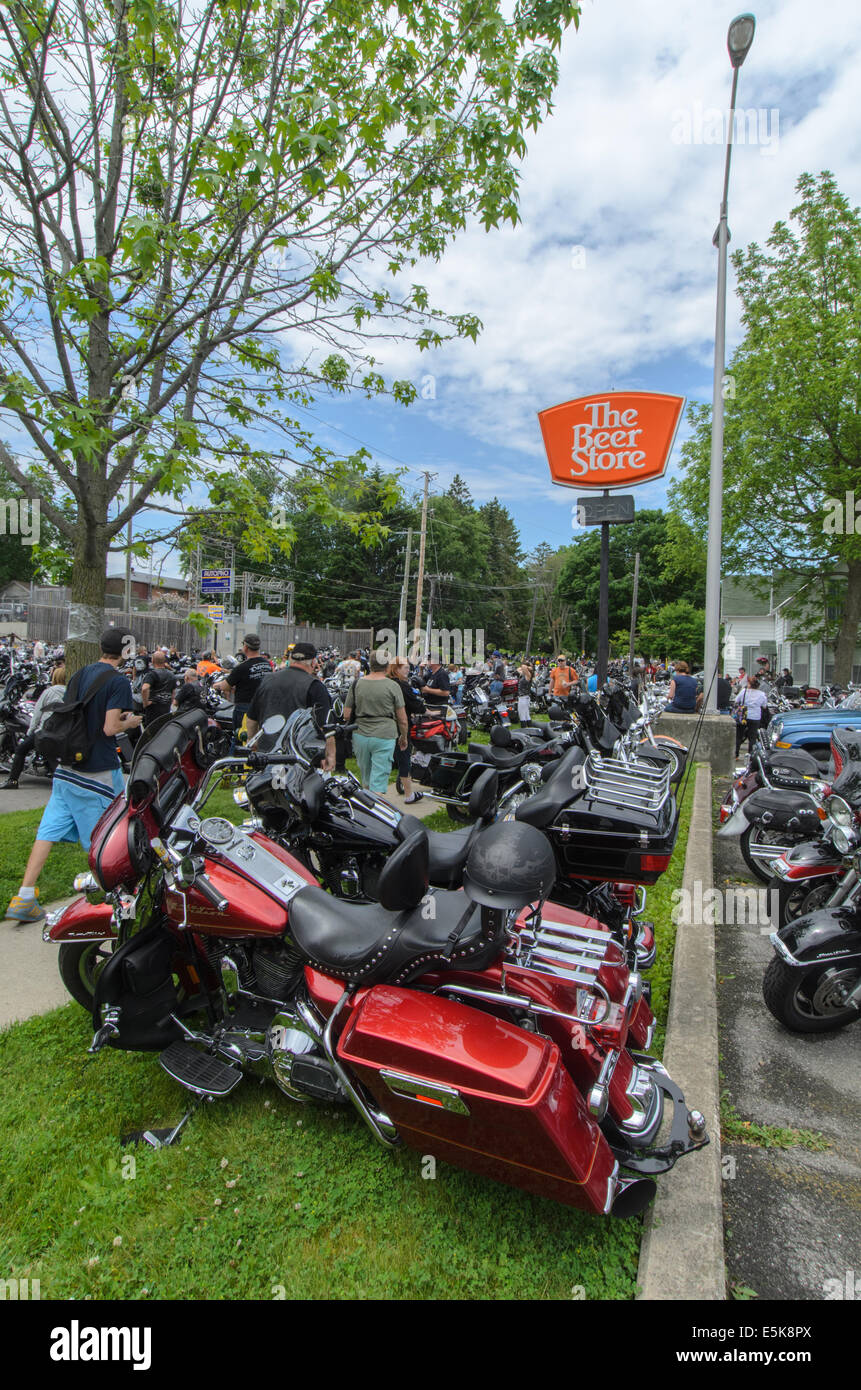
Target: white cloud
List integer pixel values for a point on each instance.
(606, 175)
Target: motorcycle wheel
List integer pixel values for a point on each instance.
(797, 899)
(80, 964)
(808, 1001)
(755, 835)
(662, 756)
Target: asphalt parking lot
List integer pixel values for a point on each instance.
(792, 1216)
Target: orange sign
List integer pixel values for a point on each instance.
(616, 439)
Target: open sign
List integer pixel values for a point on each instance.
(616, 439)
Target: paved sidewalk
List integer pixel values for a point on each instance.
(29, 979)
(31, 793)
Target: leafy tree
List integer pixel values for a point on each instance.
(202, 202)
(792, 448)
(675, 631)
(649, 533)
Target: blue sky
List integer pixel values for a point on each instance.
(609, 280)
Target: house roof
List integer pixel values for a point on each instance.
(739, 598)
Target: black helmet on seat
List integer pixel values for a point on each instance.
(509, 865)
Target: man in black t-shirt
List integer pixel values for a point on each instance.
(295, 687)
(244, 680)
(82, 793)
(437, 689)
(157, 689)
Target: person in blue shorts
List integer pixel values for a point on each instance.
(81, 794)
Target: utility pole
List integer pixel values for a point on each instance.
(634, 613)
(433, 579)
(531, 624)
(402, 612)
(417, 622)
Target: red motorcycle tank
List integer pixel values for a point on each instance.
(480, 1093)
(251, 911)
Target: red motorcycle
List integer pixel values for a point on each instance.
(484, 1026)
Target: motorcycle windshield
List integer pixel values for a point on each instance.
(300, 738)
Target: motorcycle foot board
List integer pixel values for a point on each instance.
(199, 1072)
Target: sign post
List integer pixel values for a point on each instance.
(618, 439)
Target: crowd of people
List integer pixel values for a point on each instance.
(379, 698)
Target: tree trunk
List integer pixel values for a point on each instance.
(847, 640)
(87, 615)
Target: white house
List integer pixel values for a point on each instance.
(769, 626)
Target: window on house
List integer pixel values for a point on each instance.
(799, 662)
(828, 675)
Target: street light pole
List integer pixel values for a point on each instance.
(739, 40)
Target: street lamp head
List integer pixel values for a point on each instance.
(740, 38)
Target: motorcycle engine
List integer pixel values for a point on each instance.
(277, 968)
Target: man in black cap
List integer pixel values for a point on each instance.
(294, 687)
(245, 680)
(82, 793)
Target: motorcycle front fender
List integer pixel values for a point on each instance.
(81, 921)
(833, 934)
(810, 859)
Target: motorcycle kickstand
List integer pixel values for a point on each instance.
(163, 1138)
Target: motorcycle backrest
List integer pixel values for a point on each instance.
(404, 880)
(484, 796)
(556, 714)
(500, 736)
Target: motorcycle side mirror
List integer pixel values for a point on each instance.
(184, 874)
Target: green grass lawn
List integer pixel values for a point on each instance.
(312, 1204)
(265, 1198)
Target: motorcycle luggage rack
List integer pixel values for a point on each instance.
(556, 948)
(638, 786)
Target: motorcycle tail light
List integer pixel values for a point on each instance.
(654, 863)
(724, 814)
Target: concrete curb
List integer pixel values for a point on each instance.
(682, 1255)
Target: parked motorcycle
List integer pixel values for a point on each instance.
(813, 982)
(483, 1026)
(480, 710)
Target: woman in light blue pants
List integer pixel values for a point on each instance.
(380, 722)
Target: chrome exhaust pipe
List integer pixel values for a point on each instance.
(633, 1195)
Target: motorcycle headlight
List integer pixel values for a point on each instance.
(840, 812)
(842, 840)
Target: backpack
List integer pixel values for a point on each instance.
(64, 738)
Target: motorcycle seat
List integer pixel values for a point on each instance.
(793, 758)
(542, 809)
(367, 944)
(502, 759)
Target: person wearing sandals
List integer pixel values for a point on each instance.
(398, 671)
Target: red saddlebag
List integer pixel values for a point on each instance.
(480, 1093)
